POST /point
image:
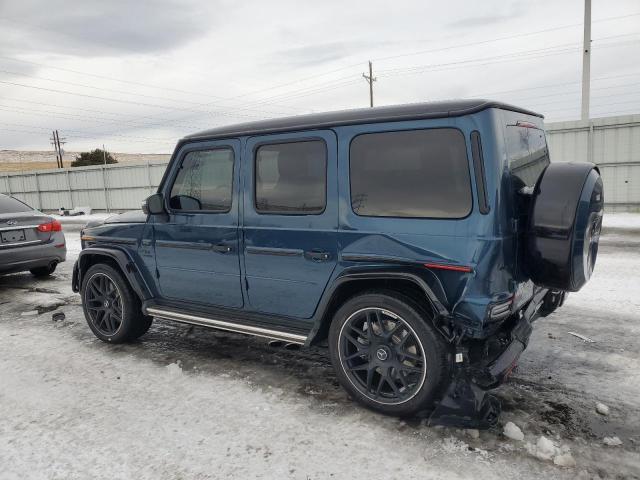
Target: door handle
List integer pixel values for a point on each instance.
(318, 255)
(222, 248)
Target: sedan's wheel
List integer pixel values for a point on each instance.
(44, 271)
(382, 355)
(104, 304)
(111, 308)
(387, 354)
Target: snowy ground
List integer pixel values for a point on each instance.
(192, 403)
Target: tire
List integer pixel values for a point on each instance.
(564, 226)
(44, 271)
(112, 310)
(370, 363)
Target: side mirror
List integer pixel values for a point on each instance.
(154, 205)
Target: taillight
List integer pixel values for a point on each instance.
(53, 226)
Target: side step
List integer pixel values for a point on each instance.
(227, 326)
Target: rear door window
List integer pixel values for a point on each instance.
(12, 205)
(528, 154)
(291, 178)
(414, 173)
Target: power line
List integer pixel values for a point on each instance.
(155, 97)
(498, 39)
(118, 100)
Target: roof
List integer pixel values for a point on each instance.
(412, 111)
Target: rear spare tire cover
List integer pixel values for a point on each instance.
(564, 226)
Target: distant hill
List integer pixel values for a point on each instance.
(17, 160)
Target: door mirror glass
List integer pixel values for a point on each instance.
(153, 205)
(185, 202)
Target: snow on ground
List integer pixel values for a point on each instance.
(187, 402)
(82, 219)
(624, 221)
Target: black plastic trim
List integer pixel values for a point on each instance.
(280, 252)
(354, 275)
(188, 245)
(478, 167)
(124, 261)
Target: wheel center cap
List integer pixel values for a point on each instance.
(382, 354)
(106, 304)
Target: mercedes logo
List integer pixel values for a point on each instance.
(382, 354)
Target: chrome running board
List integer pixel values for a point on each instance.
(227, 326)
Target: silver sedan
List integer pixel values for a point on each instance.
(29, 239)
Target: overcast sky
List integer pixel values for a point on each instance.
(137, 76)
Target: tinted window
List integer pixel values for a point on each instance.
(291, 178)
(11, 205)
(204, 181)
(528, 154)
(419, 173)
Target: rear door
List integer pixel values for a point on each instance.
(290, 220)
(196, 245)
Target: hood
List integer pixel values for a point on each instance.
(134, 216)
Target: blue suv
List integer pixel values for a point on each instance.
(419, 242)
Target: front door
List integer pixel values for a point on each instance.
(290, 220)
(196, 245)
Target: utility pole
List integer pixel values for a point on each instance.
(60, 151)
(586, 61)
(104, 154)
(370, 79)
(54, 142)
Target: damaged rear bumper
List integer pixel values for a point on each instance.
(466, 403)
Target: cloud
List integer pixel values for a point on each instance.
(95, 28)
(319, 53)
(510, 12)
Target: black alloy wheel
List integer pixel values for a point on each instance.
(387, 353)
(382, 355)
(104, 304)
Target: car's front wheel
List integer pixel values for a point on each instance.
(111, 308)
(387, 354)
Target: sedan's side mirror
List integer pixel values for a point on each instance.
(154, 205)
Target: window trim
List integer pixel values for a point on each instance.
(287, 213)
(466, 146)
(478, 167)
(175, 177)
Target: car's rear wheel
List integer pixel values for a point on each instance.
(111, 308)
(386, 353)
(44, 271)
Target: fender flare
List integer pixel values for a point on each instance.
(320, 319)
(125, 262)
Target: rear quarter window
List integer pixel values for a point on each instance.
(415, 173)
(12, 205)
(528, 154)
